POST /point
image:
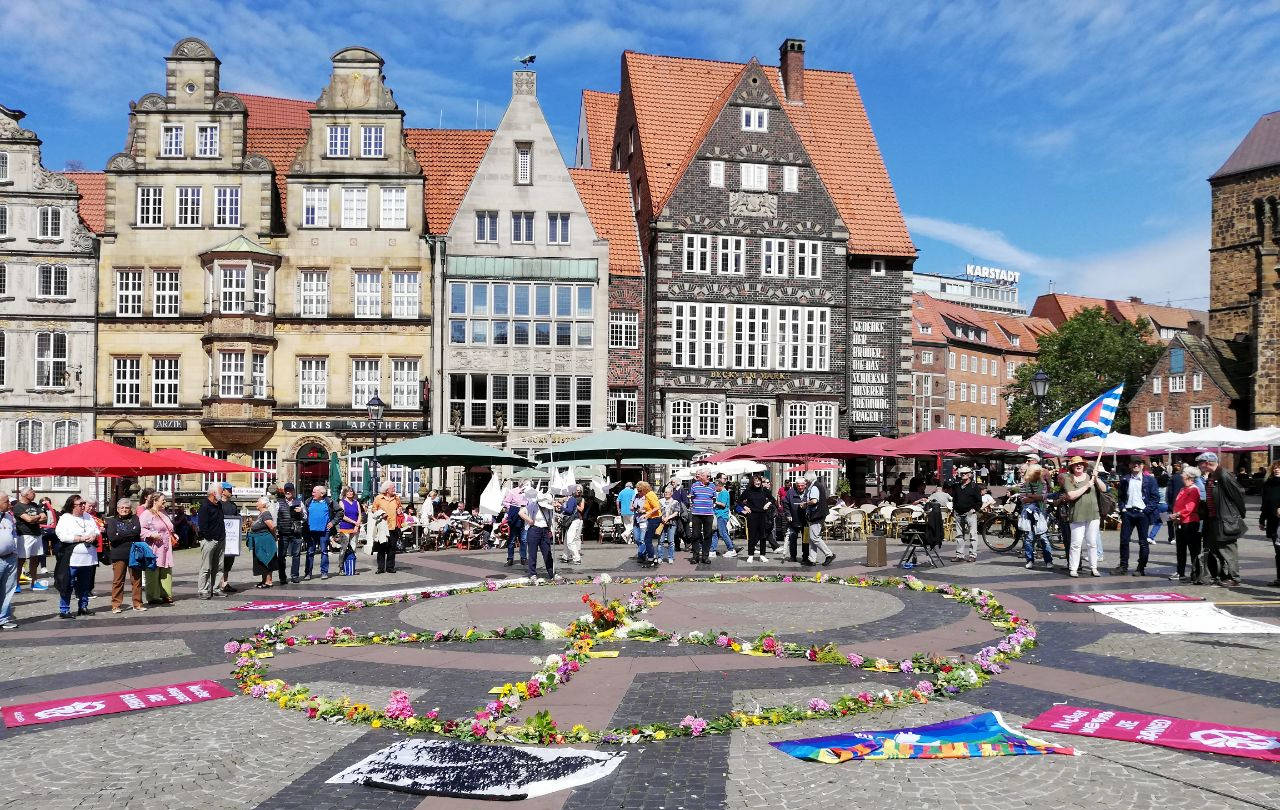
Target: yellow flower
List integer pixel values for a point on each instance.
(659, 735)
(377, 639)
(284, 702)
(376, 724)
(736, 647)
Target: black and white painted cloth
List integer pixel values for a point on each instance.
(478, 771)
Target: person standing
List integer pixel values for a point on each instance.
(625, 499)
(815, 515)
(158, 533)
(1031, 496)
(669, 525)
(77, 557)
(291, 525)
(648, 516)
(230, 512)
(968, 500)
(123, 530)
(512, 502)
(1223, 523)
(702, 499)
(350, 519)
(1139, 505)
(1185, 525)
(537, 516)
(1269, 517)
(1082, 490)
(28, 517)
(10, 563)
(571, 520)
(213, 540)
(385, 553)
(797, 528)
(319, 522)
(758, 504)
(722, 510)
(262, 543)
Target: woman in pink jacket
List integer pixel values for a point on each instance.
(1186, 513)
(157, 532)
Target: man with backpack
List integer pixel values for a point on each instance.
(815, 515)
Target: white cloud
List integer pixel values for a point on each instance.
(1174, 266)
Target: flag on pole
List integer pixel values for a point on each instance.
(1094, 419)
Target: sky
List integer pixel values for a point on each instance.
(1068, 140)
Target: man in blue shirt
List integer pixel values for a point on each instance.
(722, 521)
(702, 499)
(625, 499)
(319, 522)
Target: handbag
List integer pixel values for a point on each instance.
(1106, 503)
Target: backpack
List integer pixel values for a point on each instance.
(818, 512)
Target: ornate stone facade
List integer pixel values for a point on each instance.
(48, 265)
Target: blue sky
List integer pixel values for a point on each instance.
(1070, 140)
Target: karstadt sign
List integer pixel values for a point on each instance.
(992, 273)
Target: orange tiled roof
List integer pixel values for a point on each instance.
(273, 112)
(1059, 307)
(673, 97)
(280, 146)
(607, 196)
(1000, 329)
(601, 111)
(449, 159)
(93, 198)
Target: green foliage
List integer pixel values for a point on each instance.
(1088, 354)
(842, 487)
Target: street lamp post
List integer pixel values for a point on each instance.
(1040, 389)
(376, 408)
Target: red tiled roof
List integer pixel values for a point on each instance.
(674, 96)
(280, 146)
(93, 198)
(449, 159)
(1000, 329)
(1059, 307)
(273, 112)
(601, 112)
(607, 196)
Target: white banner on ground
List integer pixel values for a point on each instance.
(474, 770)
(505, 583)
(1183, 617)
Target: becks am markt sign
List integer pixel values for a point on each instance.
(353, 425)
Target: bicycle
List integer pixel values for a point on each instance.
(999, 528)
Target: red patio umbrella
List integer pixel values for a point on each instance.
(816, 465)
(809, 446)
(732, 454)
(14, 457)
(203, 463)
(94, 458)
(942, 440)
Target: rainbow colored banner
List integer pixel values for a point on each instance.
(980, 735)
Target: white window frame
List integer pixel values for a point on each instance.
(630, 406)
(406, 293)
(1155, 384)
(710, 420)
(126, 381)
(233, 288)
(206, 146)
(753, 176)
(751, 336)
(697, 253)
(808, 259)
(754, 119)
(315, 206)
(355, 207)
(373, 141)
(1155, 422)
(187, 206)
(366, 380)
(150, 210)
(173, 140)
(392, 201)
(367, 288)
(774, 254)
(877, 267)
(790, 179)
(699, 335)
(231, 373)
(4, 165)
(165, 380)
(951, 390)
(51, 365)
(679, 419)
(66, 432)
(404, 383)
(1178, 384)
(487, 226)
(50, 222)
(926, 358)
(731, 255)
(522, 227)
(313, 293)
(53, 281)
(557, 228)
(226, 207)
(1201, 417)
(4, 220)
(715, 173)
(1197, 381)
(624, 329)
(129, 293)
(210, 479)
(266, 463)
(313, 382)
(524, 164)
(258, 375)
(338, 141)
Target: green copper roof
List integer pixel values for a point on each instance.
(521, 268)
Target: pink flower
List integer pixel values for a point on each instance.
(573, 666)
(696, 725)
(490, 585)
(769, 644)
(483, 716)
(257, 691)
(855, 660)
(924, 688)
(866, 698)
(819, 705)
(493, 707)
(907, 666)
(245, 647)
(312, 712)
(722, 641)
(478, 728)
(243, 661)
(231, 647)
(786, 579)
(399, 707)
(434, 714)
(290, 641)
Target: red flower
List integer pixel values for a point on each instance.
(946, 667)
(586, 598)
(635, 731)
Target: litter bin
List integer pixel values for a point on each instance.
(877, 552)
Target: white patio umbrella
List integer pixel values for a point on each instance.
(1115, 443)
(1212, 438)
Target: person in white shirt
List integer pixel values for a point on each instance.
(77, 558)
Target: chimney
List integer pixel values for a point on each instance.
(1135, 299)
(1196, 328)
(791, 65)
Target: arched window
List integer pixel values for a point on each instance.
(797, 418)
(824, 419)
(709, 419)
(681, 419)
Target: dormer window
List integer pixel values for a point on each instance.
(339, 141)
(755, 119)
(172, 140)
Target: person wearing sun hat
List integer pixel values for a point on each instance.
(1081, 489)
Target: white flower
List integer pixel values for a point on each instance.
(536, 661)
(551, 630)
(540, 678)
(605, 579)
(553, 661)
(746, 646)
(970, 676)
(584, 618)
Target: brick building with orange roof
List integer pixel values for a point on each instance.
(1167, 322)
(777, 260)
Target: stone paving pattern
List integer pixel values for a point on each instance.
(242, 753)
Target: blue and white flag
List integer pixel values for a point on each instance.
(1093, 419)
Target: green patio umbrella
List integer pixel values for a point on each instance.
(444, 450)
(616, 446)
(335, 476)
(530, 474)
(366, 482)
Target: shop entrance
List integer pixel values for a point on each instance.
(313, 469)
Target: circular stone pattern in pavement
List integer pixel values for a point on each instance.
(507, 607)
(749, 609)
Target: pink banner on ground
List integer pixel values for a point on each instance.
(1096, 598)
(1170, 732)
(132, 700)
(328, 604)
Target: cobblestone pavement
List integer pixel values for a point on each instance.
(238, 753)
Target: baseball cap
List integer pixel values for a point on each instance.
(227, 485)
(1212, 458)
(289, 487)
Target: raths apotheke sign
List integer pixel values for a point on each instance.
(353, 425)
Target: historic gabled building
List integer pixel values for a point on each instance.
(1198, 382)
(1167, 322)
(522, 344)
(48, 269)
(777, 261)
